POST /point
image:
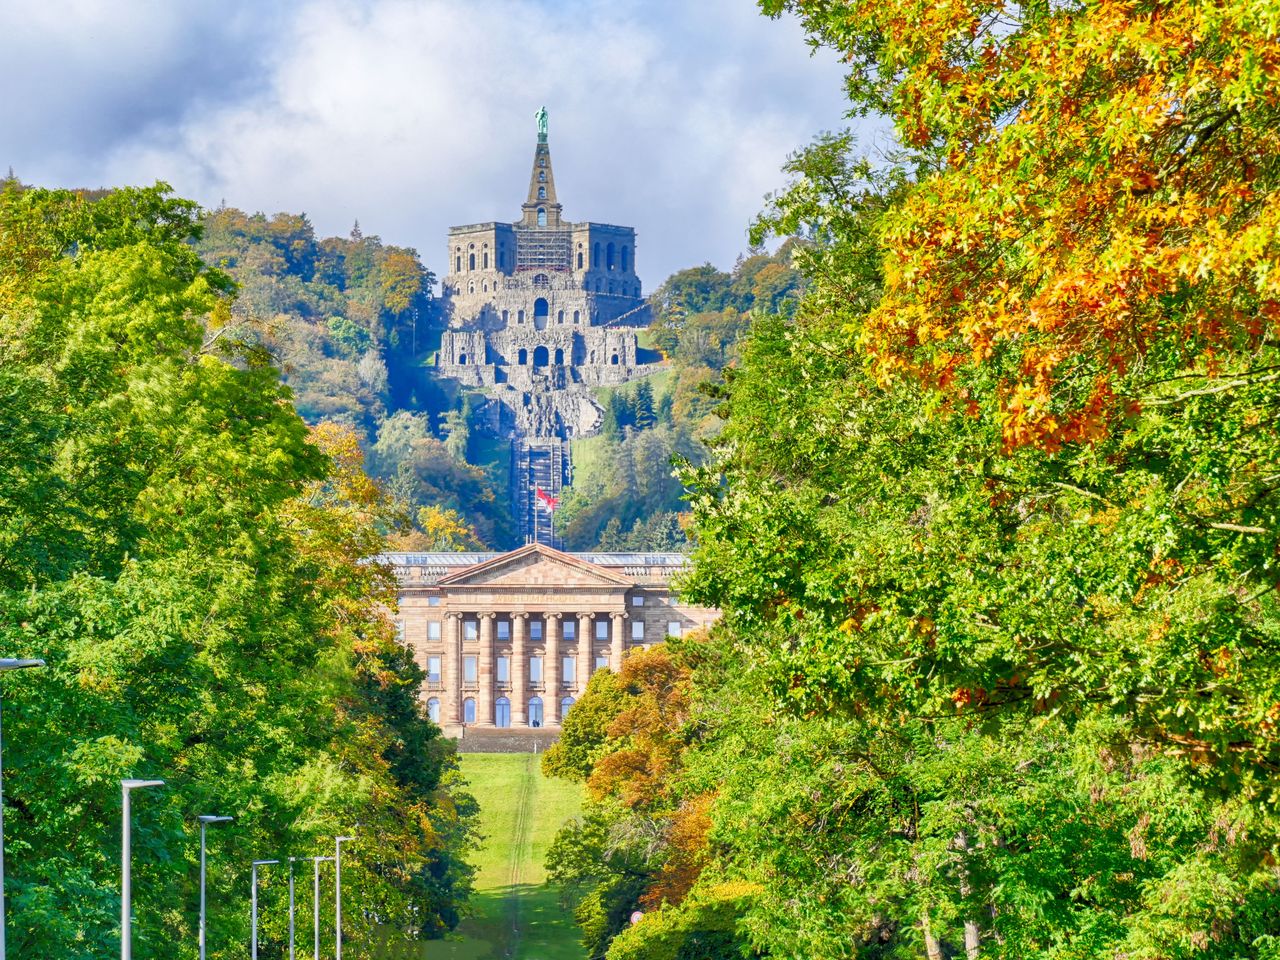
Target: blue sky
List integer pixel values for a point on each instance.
(672, 116)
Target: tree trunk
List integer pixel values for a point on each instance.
(932, 947)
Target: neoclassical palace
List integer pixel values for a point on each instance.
(511, 639)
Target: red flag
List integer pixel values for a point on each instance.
(546, 499)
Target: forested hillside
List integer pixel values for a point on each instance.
(352, 323)
(626, 495)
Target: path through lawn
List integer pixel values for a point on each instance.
(517, 916)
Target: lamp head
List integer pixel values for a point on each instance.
(264, 863)
(139, 784)
(342, 839)
(209, 818)
(10, 663)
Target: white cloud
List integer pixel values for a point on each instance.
(412, 115)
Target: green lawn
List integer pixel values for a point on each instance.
(515, 915)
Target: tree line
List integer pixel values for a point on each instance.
(992, 521)
(190, 558)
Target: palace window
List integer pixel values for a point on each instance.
(565, 704)
(673, 628)
(433, 669)
(568, 668)
(602, 629)
(535, 711)
(570, 629)
(433, 630)
(433, 601)
(535, 629)
(470, 629)
(468, 711)
(504, 629)
(602, 663)
(504, 669)
(535, 669)
(637, 600)
(433, 709)
(502, 713)
(637, 629)
(470, 670)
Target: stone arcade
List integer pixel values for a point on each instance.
(509, 640)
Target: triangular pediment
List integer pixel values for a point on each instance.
(536, 566)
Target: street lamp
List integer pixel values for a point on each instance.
(315, 901)
(256, 865)
(337, 895)
(126, 871)
(205, 820)
(292, 860)
(8, 664)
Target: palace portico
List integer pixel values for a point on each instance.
(511, 639)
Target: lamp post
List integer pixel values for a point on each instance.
(337, 895)
(126, 867)
(8, 664)
(315, 901)
(254, 900)
(205, 820)
(291, 948)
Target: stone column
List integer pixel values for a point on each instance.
(484, 696)
(451, 709)
(519, 669)
(617, 641)
(551, 672)
(586, 643)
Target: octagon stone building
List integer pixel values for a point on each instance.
(509, 640)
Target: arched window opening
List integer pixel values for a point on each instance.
(471, 287)
(468, 711)
(523, 357)
(520, 316)
(484, 286)
(579, 259)
(608, 257)
(614, 360)
(559, 316)
(457, 266)
(541, 310)
(486, 259)
(542, 280)
(559, 357)
(626, 258)
(542, 193)
(542, 161)
(595, 256)
(565, 704)
(542, 176)
(540, 356)
(535, 711)
(462, 359)
(471, 261)
(433, 709)
(502, 713)
(542, 217)
(576, 316)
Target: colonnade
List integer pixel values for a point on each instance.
(487, 699)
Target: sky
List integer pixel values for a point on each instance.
(671, 116)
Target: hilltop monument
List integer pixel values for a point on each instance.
(539, 312)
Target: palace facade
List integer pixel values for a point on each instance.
(509, 640)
